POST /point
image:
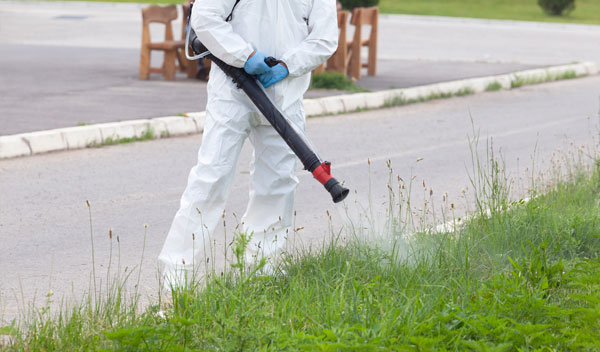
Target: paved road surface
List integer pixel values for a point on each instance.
(73, 85)
(114, 25)
(65, 63)
(480, 40)
(44, 226)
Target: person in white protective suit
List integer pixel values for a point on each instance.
(302, 34)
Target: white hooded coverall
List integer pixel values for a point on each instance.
(301, 33)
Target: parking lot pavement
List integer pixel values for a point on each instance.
(71, 86)
(70, 63)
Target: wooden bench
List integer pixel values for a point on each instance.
(173, 49)
(363, 16)
(338, 62)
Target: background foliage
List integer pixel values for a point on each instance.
(557, 7)
(350, 4)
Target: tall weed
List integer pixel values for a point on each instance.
(516, 275)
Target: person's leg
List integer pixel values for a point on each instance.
(204, 198)
(270, 210)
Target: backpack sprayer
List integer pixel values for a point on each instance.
(294, 138)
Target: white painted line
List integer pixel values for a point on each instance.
(84, 136)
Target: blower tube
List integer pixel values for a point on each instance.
(320, 170)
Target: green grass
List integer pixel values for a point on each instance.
(147, 134)
(520, 81)
(160, 2)
(518, 276)
(464, 91)
(334, 80)
(400, 100)
(586, 11)
(494, 86)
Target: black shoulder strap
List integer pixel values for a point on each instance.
(230, 17)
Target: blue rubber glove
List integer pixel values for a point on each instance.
(274, 75)
(256, 64)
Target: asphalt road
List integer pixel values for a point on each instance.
(44, 224)
(70, 63)
(73, 85)
(481, 40)
(118, 25)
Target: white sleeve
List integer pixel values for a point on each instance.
(208, 21)
(321, 42)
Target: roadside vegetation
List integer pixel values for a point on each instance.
(401, 100)
(516, 82)
(147, 135)
(494, 86)
(516, 275)
(585, 12)
(335, 80)
(523, 81)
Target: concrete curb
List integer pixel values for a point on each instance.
(69, 138)
(32, 143)
(362, 101)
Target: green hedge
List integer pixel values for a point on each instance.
(350, 4)
(557, 7)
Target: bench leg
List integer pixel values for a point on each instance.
(192, 68)
(355, 62)
(144, 63)
(181, 60)
(169, 65)
(372, 63)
